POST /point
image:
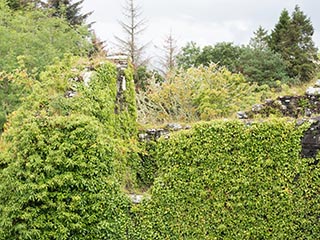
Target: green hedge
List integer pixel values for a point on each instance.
(229, 180)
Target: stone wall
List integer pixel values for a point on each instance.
(307, 105)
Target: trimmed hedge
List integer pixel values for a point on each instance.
(229, 180)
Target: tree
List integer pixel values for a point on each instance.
(280, 36)
(168, 60)
(260, 39)
(37, 39)
(189, 55)
(98, 46)
(302, 48)
(224, 54)
(23, 4)
(69, 10)
(292, 39)
(263, 66)
(133, 25)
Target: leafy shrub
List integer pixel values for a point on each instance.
(201, 93)
(38, 38)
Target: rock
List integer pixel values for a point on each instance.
(312, 91)
(153, 134)
(143, 136)
(278, 103)
(86, 78)
(242, 115)
(311, 141)
(151, 131)
(308, 112)
(269, 101)
(283, 107)
(162, 132)
(174, 126)
(70, 94)
(136, 198)
(257, 108)
(317, 84)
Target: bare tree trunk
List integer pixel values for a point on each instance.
(133, 25)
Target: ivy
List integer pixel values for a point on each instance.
(230, 180)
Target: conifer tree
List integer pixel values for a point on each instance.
(69, 10)
(260, 39)
(302, 48)
(292, 39)
(279, 39)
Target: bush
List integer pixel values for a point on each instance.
(201, 93)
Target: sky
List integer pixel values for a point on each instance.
(205, 22)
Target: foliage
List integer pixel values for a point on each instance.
(38, 38)
(13, 88)
(23, 4)
(292, 39)
(230, 180)
(224, 54)
(69, 10)
(199, 93)
(62, 154)
(62, 171)
(256, 62)
(188, 57)
(260, 39)
(263, 66)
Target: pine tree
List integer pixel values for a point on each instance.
(133, 26)
(260, 39)
(280, 37)
(292, 39)
(68, 10)
(98, 46)
(302, 48)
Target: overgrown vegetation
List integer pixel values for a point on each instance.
(69, 154)
(230, 180)
(61, 170)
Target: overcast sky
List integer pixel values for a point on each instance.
(205, 22)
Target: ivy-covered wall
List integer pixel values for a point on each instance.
(61, 171)
(230, 180)
(69, 153)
